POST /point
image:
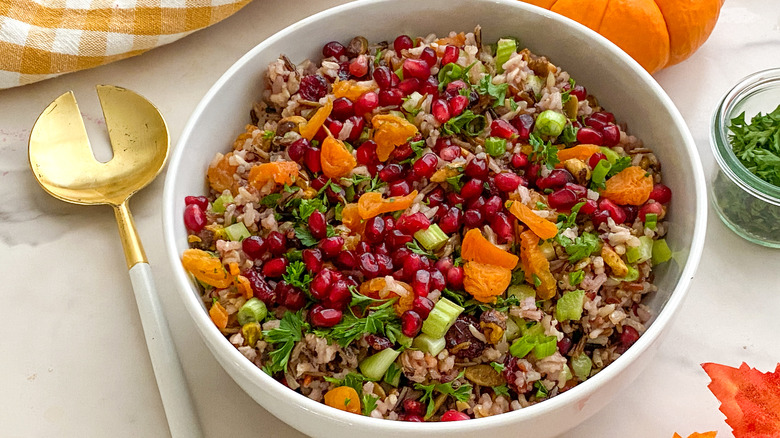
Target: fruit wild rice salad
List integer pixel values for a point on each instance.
(431, 229)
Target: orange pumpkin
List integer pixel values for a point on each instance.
(656, 33)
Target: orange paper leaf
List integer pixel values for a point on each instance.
(749, 398)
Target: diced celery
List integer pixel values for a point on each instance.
(632, 275)
(521, 347)
(495, 146)
(611, 155)
(504, 49)
(550, 123)
(536, 83)
(219, 204)
(253, 310)
(412, 103)
(432, 238)
(512, 331)
(641, 253)
(661, 252)
(403, 340)
(427, 344)
(393, 375)
(545, 346)
(581, 365)
(569, 306)
(237, 232)
(441, 318)
(532, 329)
(600, 171)
(651, 220)
(374, 367)
(522, 291)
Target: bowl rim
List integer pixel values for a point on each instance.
(214, 338)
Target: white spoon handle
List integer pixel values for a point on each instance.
(175, 395)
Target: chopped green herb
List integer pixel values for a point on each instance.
(621, 164)
(499, 367)
(569, 134)
(582, 246)
(455, 182)
(369, 403)
(460, 393)
(576, 277)
(297, 276)
(304, 235)
(757, 144)
(271, 200)
(541, 390)
(467, 123)
(290, 330)
(543, 153)
(268, 135)
(501, 390)
(486, 87)
(380, 320)
(415, 248)
(537, 280)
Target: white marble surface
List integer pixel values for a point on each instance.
(73, 362)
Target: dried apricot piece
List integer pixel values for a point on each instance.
(475, 248)
(352, 89)
(372, 287)
(350, 216)
(372, 204)
(220, 175)
(581, 151)
(632, 186)
(389, 132)
(484, 281)
(218, 315)
(458, 40)
(541, 227)
(281, 172)
(344, 398)
(206, 268)
(336, 160)
(535, 264)
(310, 128)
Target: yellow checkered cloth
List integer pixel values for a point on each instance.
(40, 39)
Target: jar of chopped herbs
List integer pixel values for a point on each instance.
(745, 139)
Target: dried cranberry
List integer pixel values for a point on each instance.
(313, 87)
(460, 341)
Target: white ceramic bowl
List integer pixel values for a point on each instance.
(620, 84)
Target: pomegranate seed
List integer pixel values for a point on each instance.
(322, 317)
(397, 239)
(368, 265)
(194, 218)
(313, 87)
(650, 208)
(472, 188)
(412, 263)
(311, 158)
(453, 415)
(580, 191)
(589, 207)
(557, 178)
(413, 407)
(451, 221)
(426, 165)
(347, 260)
(628, 337)
(289, 296)
(338, 295)
(402, 42)
(611, 135)
(400, 188)
(391, 172)
(430, 86)
(297, 149)
(451, 54)
(615, 211)
(455, 277)
(450, 153)
(391, 97)
(383, 77)
(200, 201)
(507, 182)
(312, 258)
(519, 160)
(375, 229)
(503, 129)
(477, 168)
(631, 213)
(318, 225)
(661, 193)
(334, 49)
(457, 104)
(443, 265)
(562, 199)
(342, 108)
(409, 86)
(416, 68)
(429, 56)
(533, 171)
(438, 282)
(389, 223)
(472, 218)
(320, 285)
(335, 127)
(399, 255)
(331, 246)
(435, 197)
(413, 418)
(275, 268)
(422, 283)
(600, 217)
(594, 159)
(564, 345)
(524, 124)
(385, 263)
(359, 66)
(253, 246)
(402, 152)
(595, 123)
(411, 323)
(603, 116)
(412, 223)
(501, 225)
(276, 243)
(422, 305)
(589, 136)
(579, 92)
(260, 288)
(366, 103)
(440, 110)
(358, 123)
(362, 247)
(366, 153)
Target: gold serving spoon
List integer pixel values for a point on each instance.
(62, 161)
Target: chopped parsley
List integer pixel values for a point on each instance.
(582, 246)
(619, 165)
(576, 277)
(461, 393)
(297, 276)
(499, 367)
(290, 330)
(271, 200)
(369, 403)
(541, 390)
(455, 182)
(757, 144)
(486, 87)
(304, 235)
(501, 390)
(381, 320)
(543, 153)
(568, 135)
(567, 221)
(467, 123)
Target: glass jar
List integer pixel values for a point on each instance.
(747, 204)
